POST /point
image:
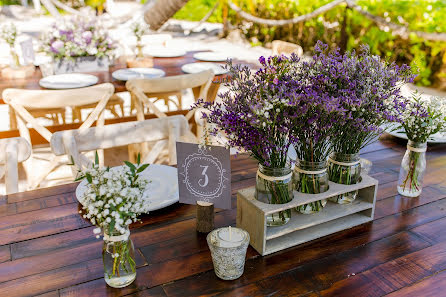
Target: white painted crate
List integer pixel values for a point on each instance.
(251, 216)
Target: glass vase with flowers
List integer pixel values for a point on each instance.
(256, 115)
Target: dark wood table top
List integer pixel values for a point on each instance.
(47, 248)
(172, 66)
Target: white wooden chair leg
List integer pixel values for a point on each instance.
(174, 134)
(54, 163)
(156, 151)
(11, 172)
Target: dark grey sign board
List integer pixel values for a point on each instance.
(204, 174)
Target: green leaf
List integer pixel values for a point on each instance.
(111, 226)
(72, 161)
(130, 165)
(138, 159)
(89, 178)
(96, 158)
(142, 168)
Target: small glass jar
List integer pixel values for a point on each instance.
(15, 58)
(310, 178)
(274, 186)
(413, 167)
(228, 250)
(139, 47)
(118, 255)
(344, 169)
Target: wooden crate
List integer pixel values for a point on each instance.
(251, 216)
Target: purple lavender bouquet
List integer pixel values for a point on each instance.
(257, 114)
(77, 37)
(368, 90)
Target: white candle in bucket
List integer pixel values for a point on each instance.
(228, 248)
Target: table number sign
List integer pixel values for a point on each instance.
(27, 51)
(204, 174)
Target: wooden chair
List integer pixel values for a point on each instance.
(21, 100)
(12, 151)
(163, 131)
(141, 90)
(114, 103)
(286, 48)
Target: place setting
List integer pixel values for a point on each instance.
(131, 73)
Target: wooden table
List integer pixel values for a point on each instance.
(172, 66)
(47, 248)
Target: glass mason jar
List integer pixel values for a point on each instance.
(118, 255)
(413, 167)
(311, 178)
(15, 59)
(344, 169)
(139, 46)
(274, 186)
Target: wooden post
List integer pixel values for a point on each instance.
(205, 217)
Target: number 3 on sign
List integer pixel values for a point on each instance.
(206, 178)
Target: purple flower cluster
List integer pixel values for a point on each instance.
(257, 112)
(368, 89)
(77, 37)
(333, 102)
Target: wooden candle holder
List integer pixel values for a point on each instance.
(251, 216)
(19, 72)
(205, 217)
(146, 62)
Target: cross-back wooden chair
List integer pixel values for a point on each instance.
(21, 100)
(142, 90)
(164, 131)
(12, 151)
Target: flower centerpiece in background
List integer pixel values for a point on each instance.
(256, 115)
(72, 41)
(422, 118)
(368, 90)
(9, 34)
(112, 201)
(139, 28)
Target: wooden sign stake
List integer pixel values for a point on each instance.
(205, 217)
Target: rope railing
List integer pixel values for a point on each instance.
(295, 20)
(399, 30)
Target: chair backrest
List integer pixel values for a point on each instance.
(165, 130)
(286, 48)
(139, 87)
(20, 99)
(12, 151)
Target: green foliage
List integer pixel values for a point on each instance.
(421, 15)
(195, 10)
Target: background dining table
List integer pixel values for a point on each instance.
(171, 66)
(47, 248)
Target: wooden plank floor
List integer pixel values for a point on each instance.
(47, 249)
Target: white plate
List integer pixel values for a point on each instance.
(198, 67)
(129, 73)
(162, 189)
(68, 81)
(211, 56)
(164, 52)
(399, 132)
